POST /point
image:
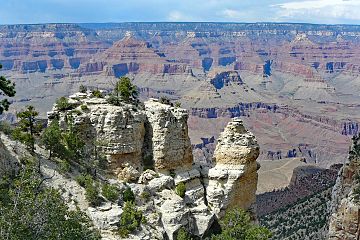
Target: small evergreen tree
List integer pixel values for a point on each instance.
(63, 104)
(110, 192)
(124, 91)
(82, 89)
(236, 225)
(27, 127)
(74, 145)
(8, 89)
(130, 219)
(128, 195)
(51, 139)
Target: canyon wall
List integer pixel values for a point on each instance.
(345, 207)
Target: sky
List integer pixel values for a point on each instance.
(91, 11)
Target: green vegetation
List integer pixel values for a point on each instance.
(29, 210)
(51, 139)
(124, 91)
(74, 145)
(306, 218)
(128, 195)
(237, 225)
(27, 127)
(145, 195)
(6, 128)
(110, 192)
(165, 100)
(83, 179)
(130, 219)
(63, 104)
(92, 192)
(180, 189)
(8, 89)
(177, 104)
(96, 93)
(82, 89)
(183, 235)
(84, 107)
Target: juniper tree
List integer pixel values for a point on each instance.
(52, 140)
(8, 89)
(124, 91)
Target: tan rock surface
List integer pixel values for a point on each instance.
(233, 180)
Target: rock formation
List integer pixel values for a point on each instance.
(345, 207)
(232, 182)
(155, 135)
(168, 134)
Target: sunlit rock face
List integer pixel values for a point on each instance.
(233, 179)
(168, 134)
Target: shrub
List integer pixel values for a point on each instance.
(236, 224)
(130, 219)
(182, 234)
(84, 107)
(6, 128)
(82, 89)
(125, 89)
(91, 189)
(177, 104)
(76, 112)
(83, 179)
(128, 195)
(145, 195)
(180, 189)
(64, 167)
(96, 93)
(92, 193)
(110, 192)
(165, 100)
(63, 104)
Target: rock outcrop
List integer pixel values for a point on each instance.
(345, 207)
(232, 182)
(155, 135)
(168, 133)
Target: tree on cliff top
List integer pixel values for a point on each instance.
(8, 89)
(124, 91)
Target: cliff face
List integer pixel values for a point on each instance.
(168, 134)
(155, 135)
(345, 207)
(233, 179)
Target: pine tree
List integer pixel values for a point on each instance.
(8, 89)
(27, 127)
